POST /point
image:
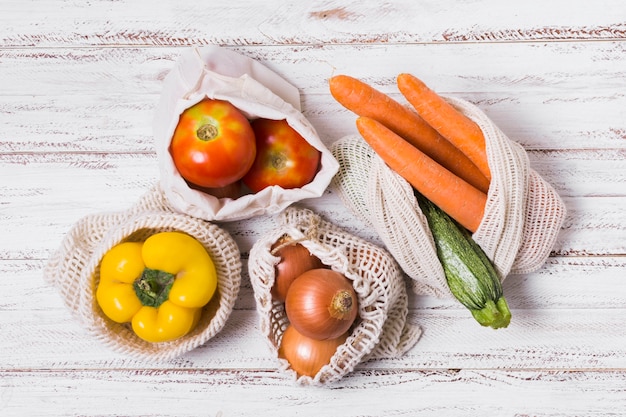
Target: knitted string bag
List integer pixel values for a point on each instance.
(75, 266)
(381, 329)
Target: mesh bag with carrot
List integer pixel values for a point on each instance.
(447, 151)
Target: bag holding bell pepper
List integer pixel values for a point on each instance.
(77, 270)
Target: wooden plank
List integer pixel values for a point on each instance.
(114, 123)
(187, 392)
(564, 282)
(448, 68)
(550, 120)
(51, 23)
(104, 99)
(593, 226)
(83, 123)
(78, 184)
(41, 333)
(573, 173)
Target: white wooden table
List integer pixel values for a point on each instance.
(79, 81)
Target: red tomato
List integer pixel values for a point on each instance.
(283, 157)
(232, 190)
(213, 144)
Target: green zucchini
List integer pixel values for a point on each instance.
(471, 277)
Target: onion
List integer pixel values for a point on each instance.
(295, 260)
(305, 355)
(321, 304)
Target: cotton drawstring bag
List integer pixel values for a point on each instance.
(74, 270)
(218, 73)
(522, 218)
(381, 330)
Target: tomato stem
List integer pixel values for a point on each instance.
(279, 161)
(207, 132)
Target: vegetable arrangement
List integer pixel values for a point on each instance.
(215, 148)
(159, 286)
(452, 199)
(320, 304)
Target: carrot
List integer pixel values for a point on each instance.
(459, 129)
(456, 197)
(364, 100)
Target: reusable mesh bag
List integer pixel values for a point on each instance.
(381, 329)
(74, 270)
(522, 217)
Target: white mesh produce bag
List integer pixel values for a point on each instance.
(381, 329)
(522, 218)
(74, 270)
(218, 73)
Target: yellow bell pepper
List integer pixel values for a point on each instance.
(159, 285)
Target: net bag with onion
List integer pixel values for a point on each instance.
(375, 313)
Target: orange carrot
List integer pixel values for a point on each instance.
(364, 100)
(456, 197)
(459, 129)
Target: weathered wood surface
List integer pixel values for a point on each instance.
(79, 82)
(45, 23)
(193, 392)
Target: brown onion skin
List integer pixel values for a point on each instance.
(295, 260)
(309, 308)
(305, 355)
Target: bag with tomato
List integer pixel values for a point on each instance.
(231, 140)
(327, 300)
(147, 282)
